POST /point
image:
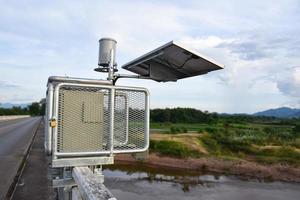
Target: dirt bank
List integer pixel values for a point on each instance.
(274, 172)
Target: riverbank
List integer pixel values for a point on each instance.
(243, 168)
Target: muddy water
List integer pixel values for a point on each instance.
(128, 183)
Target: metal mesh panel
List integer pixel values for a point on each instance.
(130, 120)
(121, 119)
(83, 119)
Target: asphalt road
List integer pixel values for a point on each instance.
(35, 183)
(15, 138)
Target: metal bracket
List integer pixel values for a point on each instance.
(76, 162)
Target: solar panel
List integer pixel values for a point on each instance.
(172, 62)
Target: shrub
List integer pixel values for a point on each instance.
(269, 130)
(200, 130)
(237, 145)
(172, 148)
(211, 130)
(250, 136)
(296, 130)
(283, 152)
(210, 143)
(184, 129)
(175, 130)
(296, 143)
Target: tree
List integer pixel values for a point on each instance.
(296, 130)
(34, 109)
(42, 106)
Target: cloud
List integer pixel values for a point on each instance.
(259, 45)
(255, 40)
(15, 93)
(246, 84)
(6, 85)
(204, 42)
(245, 50)
(289, 82)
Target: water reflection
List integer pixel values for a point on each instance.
(136, 182)
(179, 178)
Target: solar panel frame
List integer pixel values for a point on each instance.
(171, 62)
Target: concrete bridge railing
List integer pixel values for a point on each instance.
(10, 117)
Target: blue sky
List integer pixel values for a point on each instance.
(257, 41)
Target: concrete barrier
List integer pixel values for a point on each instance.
(11, 117)
(90, 186)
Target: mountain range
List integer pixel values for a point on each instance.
(10, 105)
(283, 112)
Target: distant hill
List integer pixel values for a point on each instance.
(283, 112)
(10, 105)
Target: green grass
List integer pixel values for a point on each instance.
(282, 153)
(295, 143)
(239, 140)
(172, 148)
(188, 126)
(210, 144)
(230, 146)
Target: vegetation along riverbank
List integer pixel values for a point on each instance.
(254, 146)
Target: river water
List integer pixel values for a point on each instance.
(128, 183)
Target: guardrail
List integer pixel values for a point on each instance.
(11, 117)
(89, 185)
(82, 183)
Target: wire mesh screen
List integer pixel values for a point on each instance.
(84, 120)
(130, 120)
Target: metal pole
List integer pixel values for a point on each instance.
(111, 121)
(111, 66)
(55, 116)
(112, 101)
(48, 116)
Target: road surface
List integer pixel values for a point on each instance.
(36, 179)
(15, 139)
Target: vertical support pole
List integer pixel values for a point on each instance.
(54, 116)
(76, 194)
(67, 193)
(112, 101)
(111, 121)
(147, 118)
(49, 110)
(111, 66)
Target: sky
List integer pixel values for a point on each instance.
(257, 41)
